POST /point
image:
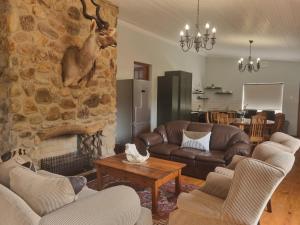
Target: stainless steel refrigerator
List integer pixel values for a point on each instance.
(133, 109)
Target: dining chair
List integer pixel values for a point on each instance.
(263, 114)
(257, 127)
(277, 126)
(222, 118)
(270, 114)
(279, 123)
(250, 113)
(231, 116)
(213, 117)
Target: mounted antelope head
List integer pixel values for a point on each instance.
(78, 64)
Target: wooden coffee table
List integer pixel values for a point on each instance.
(153, 173)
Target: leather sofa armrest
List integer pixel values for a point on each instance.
(242, 149)
(235, 160)
(151, 139)
(217, 185)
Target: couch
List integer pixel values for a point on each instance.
(225, 142)
(118, 205)
(242, 200)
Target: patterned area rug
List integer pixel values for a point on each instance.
(167, 199)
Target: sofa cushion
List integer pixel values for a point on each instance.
(42, 193)
(174, 131)
(212, 156)
(195, 154)
(14, 210)
(119, 205)
(188, 153)
(77, 182)
(163, 149)
(221, 136)
(200, 127)
(162, 131)
(197, 140)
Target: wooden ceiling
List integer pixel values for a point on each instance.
(274, 25)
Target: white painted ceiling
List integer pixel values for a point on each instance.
(274, 25)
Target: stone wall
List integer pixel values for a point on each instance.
(34, 36)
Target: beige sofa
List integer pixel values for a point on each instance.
(239, 200)
(118, 205)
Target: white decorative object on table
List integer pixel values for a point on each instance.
(133, 155)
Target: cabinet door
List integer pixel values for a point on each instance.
(164, 100)
(185, 96)
(175, 86)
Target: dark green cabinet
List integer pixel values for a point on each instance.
(174, 96)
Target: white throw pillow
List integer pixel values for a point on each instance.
(197, 140)
(43, 194)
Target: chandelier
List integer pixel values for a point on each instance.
(206, 41)
(250, 66)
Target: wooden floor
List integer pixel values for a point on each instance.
(285, 201)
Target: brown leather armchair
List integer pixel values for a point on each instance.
(165, 142)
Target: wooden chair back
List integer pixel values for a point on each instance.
(279, 122)
(223, 118)
(213, 117)
(263, 114)
(231, 116)
(257, 127)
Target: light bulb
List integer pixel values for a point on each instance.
(181, 33)
(242, 59)
(187, 27)
(258, 59)
(251, 62)
(207, 26)
(214, 30)
(198, 34)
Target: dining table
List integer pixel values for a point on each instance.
(243, 123)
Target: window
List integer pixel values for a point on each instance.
(141, 71)
(263, 96)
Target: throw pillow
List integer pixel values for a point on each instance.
(43, 194)
(10, 160)
(197, 140)
(77, 182)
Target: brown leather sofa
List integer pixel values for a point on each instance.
(165, 141)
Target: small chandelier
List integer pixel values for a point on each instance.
(207, 41)
(250, 66)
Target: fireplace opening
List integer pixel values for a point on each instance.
(70, 155)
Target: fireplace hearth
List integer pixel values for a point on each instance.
(67, 165)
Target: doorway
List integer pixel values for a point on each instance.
(141, 71)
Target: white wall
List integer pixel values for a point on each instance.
(135, 44)
(223, 71)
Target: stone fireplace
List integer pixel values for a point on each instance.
(35, 106)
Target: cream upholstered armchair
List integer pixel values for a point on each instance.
(278, 142)
(245, 197)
